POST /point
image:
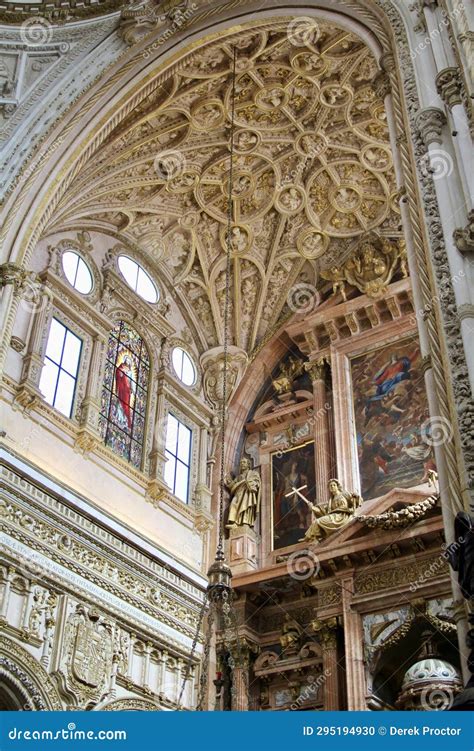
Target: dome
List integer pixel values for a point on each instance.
(430, 669)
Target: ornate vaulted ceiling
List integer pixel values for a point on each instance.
(313, 174)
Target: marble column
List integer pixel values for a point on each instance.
(240, 678)
(89, 436)
(322, 445)
(7, 584)
(157, 486)
(131, 646)
(326, 634)
(162, 672)
(354, 650)
(28, 394)
(146, 665)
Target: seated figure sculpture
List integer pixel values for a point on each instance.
(330, 517)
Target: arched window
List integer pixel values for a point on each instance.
(124, 395)
(138, 279)
(77, 272)
(183, 366)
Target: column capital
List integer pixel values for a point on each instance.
(430, 123)
(426, 363)
(316, 368)
(448, 86)
(464, 236)
(382, 84)
(325, 631)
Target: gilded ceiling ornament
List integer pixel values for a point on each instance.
(370, 268)
(240, 239)
(312, 243)
(311, 144)
(290, 200)
(246, 141)
(312, 162)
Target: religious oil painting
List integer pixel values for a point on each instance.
(391, 413)
(291, 515)
(124, 394)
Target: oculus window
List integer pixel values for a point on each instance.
(124, 394)
(178, 457)
(61, 364)
(183, 366)
(138, 279)
(77, 272)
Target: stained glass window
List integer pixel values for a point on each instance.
(124, 396)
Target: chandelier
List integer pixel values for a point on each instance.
(217, 615)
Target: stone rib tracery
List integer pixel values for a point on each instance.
(313, 172)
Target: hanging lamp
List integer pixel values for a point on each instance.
(217, 613)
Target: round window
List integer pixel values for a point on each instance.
(183, 366)
(77, 272)
(138, 279)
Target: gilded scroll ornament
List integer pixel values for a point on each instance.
(370, 268)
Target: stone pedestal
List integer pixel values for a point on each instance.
(242, 549)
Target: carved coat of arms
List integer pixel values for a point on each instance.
(88, 649)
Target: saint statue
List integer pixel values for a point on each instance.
(245, 492)
(330, 517)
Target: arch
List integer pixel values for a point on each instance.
(382, 27)
(24, 681)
